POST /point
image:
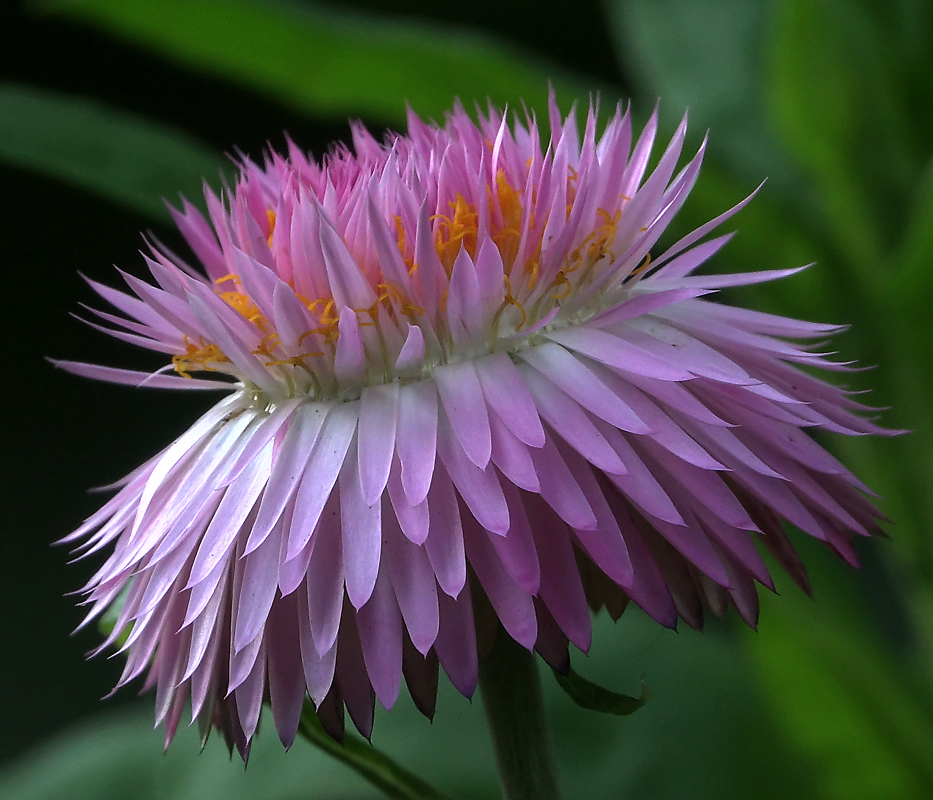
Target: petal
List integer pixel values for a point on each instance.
(444, 544)
(456, 641)
(414, 586)
(378, 417)
(577, 381)
(516, 549)
(621, 354)
(414, 520)
(318, 669)
(512, 604)
(462, 397)
(325, 581)
(259, 587)
(286, 672)
(380, 626)
(416, 437)
(507, 394)
(290, 463)
(561, 589)
(559, 488)
(361, 524)
(511, 455)
(321, 473)
(572, 424)
(479, 488)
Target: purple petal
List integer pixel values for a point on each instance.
(289, 466)
(321, 472)
(325, 582)
(286, 673)
(456, 641)
(378, 417)
(572, 424)
(619, 353)
(362, 533)
(415, 588)
(380, 627)
(444, 544)
(479, 488)
(512, 604)
(462, 397)
(416, 438)
(508, 396)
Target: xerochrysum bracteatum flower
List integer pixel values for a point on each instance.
(451, 366)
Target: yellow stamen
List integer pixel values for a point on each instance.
(306, 334)
(509, 203)
(571, 188)
(267, 345)
(392, 292)
(532, 265)
(402, 242)
(295, 361)
(242, 304)
(641, 267)
(561, 280)
(452, 233)
(198, 357)
(270, 216)
(511, 301)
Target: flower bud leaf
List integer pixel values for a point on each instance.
(593, 697)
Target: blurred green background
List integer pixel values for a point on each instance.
(108, 105)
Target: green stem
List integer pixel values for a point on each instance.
(374, 766)
(514, 705)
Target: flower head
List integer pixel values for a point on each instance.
(451, 366)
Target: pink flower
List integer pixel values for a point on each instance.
(445, 356)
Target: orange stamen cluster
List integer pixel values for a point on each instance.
(270, 217)
(402, 245)
(508, 236)
(240, 301)
(454, 232)
(507, 210)
(198, 356)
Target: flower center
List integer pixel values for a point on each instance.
(530, 292)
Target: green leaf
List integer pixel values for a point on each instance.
(593, 697)
(711, 63)
(330, 62)
(838, 100)
(130, 160)
(913, 280)
(368, 762)
(117, 755)
(857, 715)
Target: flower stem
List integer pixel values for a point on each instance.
(514, 705)
(394, 781)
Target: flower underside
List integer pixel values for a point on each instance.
(453, 354)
